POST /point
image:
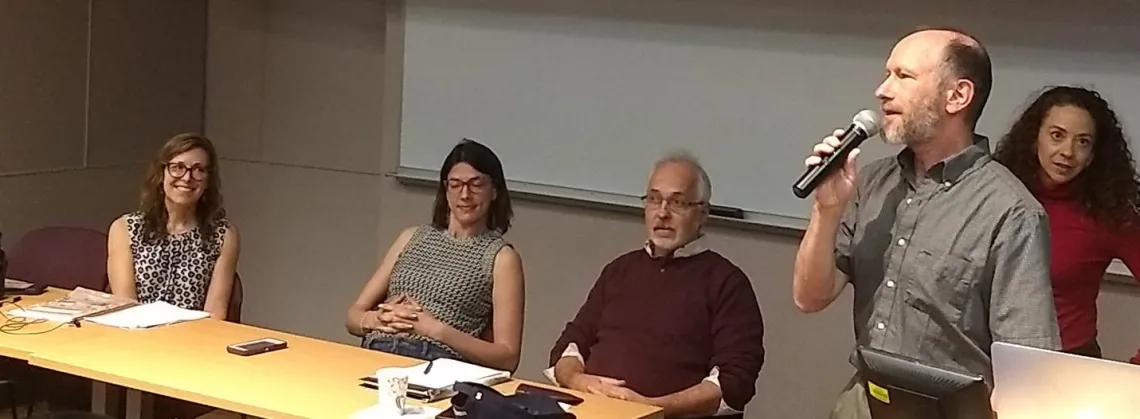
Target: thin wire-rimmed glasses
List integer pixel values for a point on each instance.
(674, 204)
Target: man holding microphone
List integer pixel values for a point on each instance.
(946, 251)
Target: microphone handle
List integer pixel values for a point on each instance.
(850, 140)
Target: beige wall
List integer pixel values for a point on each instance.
(88, 90)
(294, 99)
(293, 102)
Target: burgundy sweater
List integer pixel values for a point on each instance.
(1082, 248)
(662, 324)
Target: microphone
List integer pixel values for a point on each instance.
(864, 124)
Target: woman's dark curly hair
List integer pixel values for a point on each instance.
(1108, 188)
(152, 204)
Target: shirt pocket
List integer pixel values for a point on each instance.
(942, 285)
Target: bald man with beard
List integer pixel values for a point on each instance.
(947, 252)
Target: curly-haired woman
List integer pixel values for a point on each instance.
(1069, 149)
(178, 246)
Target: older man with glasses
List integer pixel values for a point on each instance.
(672, 323)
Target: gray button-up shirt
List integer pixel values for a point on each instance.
(946, 264)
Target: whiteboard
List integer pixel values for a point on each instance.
(580, 97)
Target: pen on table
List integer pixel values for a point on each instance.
(428, 368)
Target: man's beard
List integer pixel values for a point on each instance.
(916, 128)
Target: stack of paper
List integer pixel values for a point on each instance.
(148, 315)
(80, 303)
(16, 284)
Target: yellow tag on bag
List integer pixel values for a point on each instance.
(879, 393)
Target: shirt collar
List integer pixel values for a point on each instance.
(952, 168)
(695, 247)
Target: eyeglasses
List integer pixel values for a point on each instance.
(177, 169)
(475, 184)
(674, 204)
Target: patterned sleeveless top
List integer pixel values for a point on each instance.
(451, 277)
(176, 269)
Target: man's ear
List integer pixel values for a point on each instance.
(959, 96)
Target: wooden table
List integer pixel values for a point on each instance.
(311, 379)
(20, 344)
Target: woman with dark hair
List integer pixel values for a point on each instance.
(178, 246)
(1069, 149)
(455, 288)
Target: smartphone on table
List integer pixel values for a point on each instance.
(255, 347)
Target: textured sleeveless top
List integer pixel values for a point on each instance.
(451, 277)
(175, 269)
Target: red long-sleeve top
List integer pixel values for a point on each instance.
(1082, 249)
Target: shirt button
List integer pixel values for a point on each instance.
(890, 284)
(881, 326)
(908, 200)
(902, 242)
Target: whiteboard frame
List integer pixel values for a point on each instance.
(1117, 273)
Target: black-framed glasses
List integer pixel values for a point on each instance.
(177, 169)
(674, 204)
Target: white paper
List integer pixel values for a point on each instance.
(16, 284)
(446, 372)
(148, 315)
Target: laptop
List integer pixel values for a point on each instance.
(1042, 384)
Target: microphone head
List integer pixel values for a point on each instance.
(870, 121)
